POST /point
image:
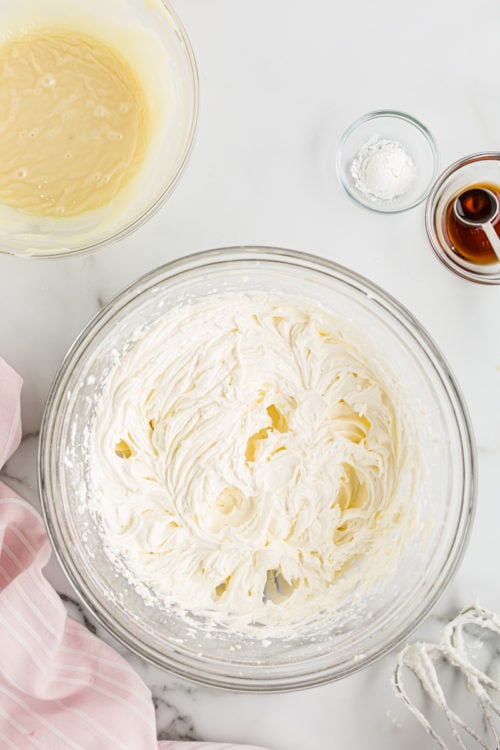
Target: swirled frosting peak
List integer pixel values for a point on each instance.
(247, 452)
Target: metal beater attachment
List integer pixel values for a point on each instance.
(467, 643)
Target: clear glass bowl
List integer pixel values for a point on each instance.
(153, 40)
(337, 645)
(483, 167)
(418, 142)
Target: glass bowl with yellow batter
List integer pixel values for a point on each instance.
(98, 112)
(256, 469)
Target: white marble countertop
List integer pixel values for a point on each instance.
(280, 80)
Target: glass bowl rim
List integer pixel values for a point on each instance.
(197, 670)
(397, 115)
(167, 190)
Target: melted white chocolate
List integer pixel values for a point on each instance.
(245, 457)
(73, 127)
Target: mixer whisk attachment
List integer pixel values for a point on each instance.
(470, 644)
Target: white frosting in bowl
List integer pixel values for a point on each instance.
(249, 460)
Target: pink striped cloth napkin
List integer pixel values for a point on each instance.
(61, 688)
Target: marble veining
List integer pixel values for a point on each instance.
(76, 610)
(172, 725)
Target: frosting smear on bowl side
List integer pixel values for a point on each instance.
(250, 460)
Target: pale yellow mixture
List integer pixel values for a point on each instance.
(73, 123)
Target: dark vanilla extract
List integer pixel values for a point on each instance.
(462, 223)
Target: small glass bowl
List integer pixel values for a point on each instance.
(153, 40)
(483, 167)
(395, 126)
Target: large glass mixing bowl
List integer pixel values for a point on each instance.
(340, 643)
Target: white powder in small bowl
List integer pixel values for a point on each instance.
(382, 169)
